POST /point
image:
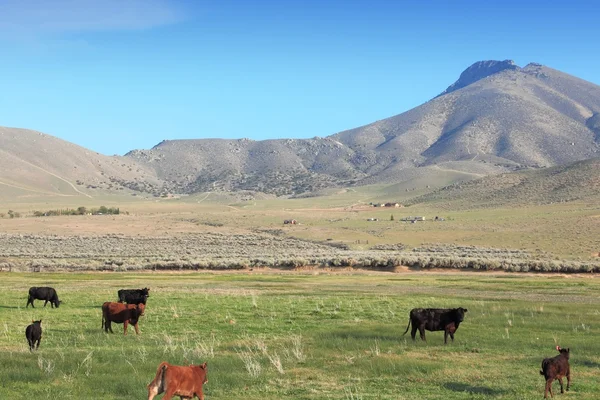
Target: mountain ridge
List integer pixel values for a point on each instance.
(496, 118)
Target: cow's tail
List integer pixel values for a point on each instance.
(158, 384)
(544, 365)
(408, 326)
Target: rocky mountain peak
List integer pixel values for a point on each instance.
(480, 70)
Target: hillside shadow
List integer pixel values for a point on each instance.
(462, 387)
(588, 363)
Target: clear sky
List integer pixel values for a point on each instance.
(116, 75)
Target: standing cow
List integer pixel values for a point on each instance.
(435, 319)
(43, 293)
(175, 380)
(556, 368)
(133, 296)
(33, 333)
(121, 313)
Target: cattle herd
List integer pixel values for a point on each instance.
(187, 381)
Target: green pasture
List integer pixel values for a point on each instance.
(312, 335)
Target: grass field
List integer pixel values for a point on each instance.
(311, 335)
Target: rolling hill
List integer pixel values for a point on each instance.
(34, 164)
(579, 181)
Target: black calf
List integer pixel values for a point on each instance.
(33, 333)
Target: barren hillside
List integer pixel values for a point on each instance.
(33, 163)
(496, 118)
(579, 181)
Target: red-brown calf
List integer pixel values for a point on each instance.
(122, 314)
(175, 380)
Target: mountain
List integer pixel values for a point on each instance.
(36, 164)
(478, 71)
(579, 181)
(496, 118)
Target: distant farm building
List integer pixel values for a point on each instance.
(372, 219)
(412, 219)
(396, 205)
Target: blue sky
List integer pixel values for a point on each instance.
(116, 75)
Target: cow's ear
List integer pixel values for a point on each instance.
(558, 348)
(203, 366)
(33, 321)
(465, 310)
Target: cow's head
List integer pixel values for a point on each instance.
(204, 369)
(57, 303)
(145, 292)
(460, 314)
(562, 351)
(135, 313)
(37, 322)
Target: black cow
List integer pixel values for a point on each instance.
(43, 293)
(134, 296)
(435, 319)
(33, 333)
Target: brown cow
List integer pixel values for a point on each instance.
(175, 380)
(556, 368)
(121, 313)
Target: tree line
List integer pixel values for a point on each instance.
(102, 210)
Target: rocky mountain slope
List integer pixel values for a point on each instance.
(497, 117)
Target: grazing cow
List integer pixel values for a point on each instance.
(175, 380)
(121, 313)
(556, 368)
(133, 296)
(33, 333)
(43, 293)
(435, 319)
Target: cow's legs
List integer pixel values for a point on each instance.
(445, 337)
(452, 336)
(152, 391)
(422, 333)
(137, 329)
(413, 332)
(30, 301)
(169, 393)
(548, 389)
(108, 326)
(125, 324)
(568, 378)
(561, 385)
(30, 344)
